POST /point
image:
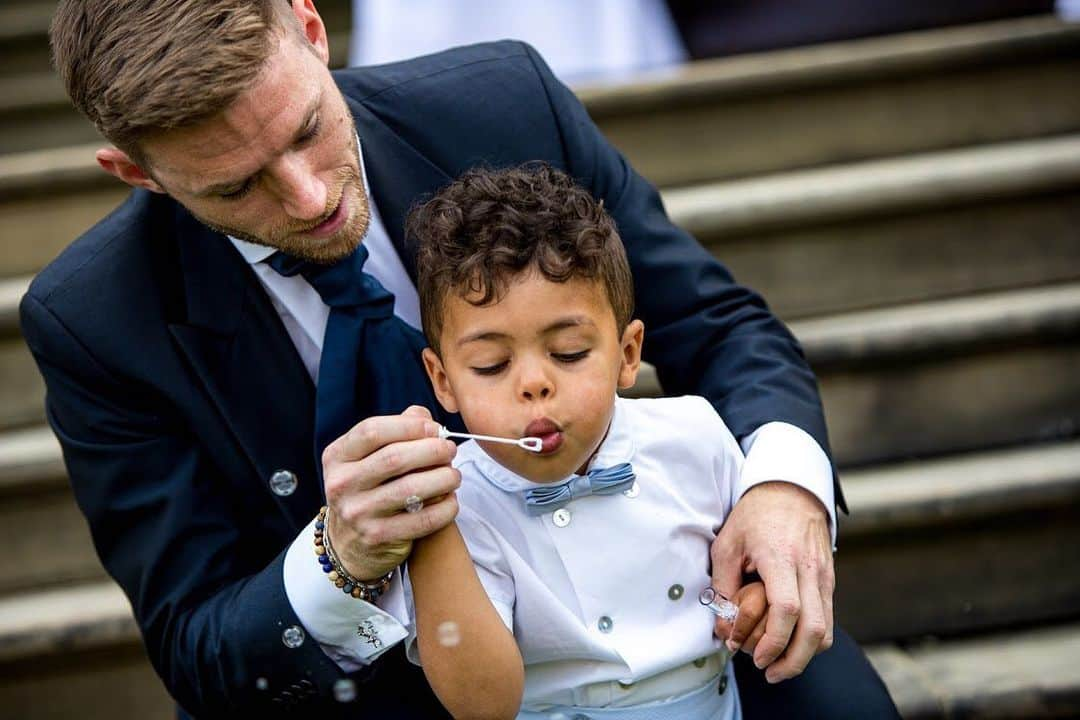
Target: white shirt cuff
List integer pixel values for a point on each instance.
(780, 451)
(350, 631)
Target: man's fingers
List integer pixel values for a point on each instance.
(417, 411)
(750, 644)
(809, 631)
(429, 485)
(373, 433)
(784, 608)
(727, 572)
(386, 463)
(410, 526)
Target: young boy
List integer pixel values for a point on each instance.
(549, 596)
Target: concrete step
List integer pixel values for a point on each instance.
(818, 241)
(1030, 673)
(882, 232)
(34, 109)
(22, 391)
(37, 510)
(930, 548)
(75, 653)
(916, 380)
(962, 544)
(934, 378)
(849, 101)
(734, 117)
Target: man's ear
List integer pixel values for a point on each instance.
(440, 381)
(632, 337)
(312, 28)
(118, 164)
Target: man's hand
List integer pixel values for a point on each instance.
(780, 531)
(369, 472)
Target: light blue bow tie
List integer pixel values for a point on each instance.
(598, 481)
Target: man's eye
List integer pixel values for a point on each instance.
(312, 131)
(491, 369)
(570, 357)
(238, 192)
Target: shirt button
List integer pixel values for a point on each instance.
(283, 483)
(561, 517)
(632, 491)
(723, 683)
(605, 624)
(675, 592)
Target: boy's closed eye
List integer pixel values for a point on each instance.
(492, 369)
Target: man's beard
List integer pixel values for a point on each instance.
(292, 238)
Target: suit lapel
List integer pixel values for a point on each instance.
(238, 347)
(398, 175)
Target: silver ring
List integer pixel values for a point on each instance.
(414, 504)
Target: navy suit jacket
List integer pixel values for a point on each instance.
(176, 392)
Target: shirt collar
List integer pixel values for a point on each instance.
(618, 446)
(254, 253)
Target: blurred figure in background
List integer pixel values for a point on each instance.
(595, 41)
(583, 42)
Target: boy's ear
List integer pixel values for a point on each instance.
(117, 163)
(439, 380)
(632, 338)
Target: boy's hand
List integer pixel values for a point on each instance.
(369, 472)
(749, 624)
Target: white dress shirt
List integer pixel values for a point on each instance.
(604, 589)
(775, 451)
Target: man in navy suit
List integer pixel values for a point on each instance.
(182, 368)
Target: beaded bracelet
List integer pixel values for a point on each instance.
(336, 572)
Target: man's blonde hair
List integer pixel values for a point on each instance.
(140, 67)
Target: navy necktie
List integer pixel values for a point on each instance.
(370, 363)
(598, 481)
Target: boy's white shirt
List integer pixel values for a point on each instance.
(775, 451)
(617, 558)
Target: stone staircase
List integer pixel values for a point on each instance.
(908, 204)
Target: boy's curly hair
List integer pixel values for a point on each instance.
(488, 226)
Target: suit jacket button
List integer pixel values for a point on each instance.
(283, 483)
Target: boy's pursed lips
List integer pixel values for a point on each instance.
(548, 431)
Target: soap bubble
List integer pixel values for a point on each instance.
(449, 634)
(344, 690)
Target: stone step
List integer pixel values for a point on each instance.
(34, 109)
(75, 653)
(882, 232)
(1029, 673)
(733, 117)
(22, 391)
(843, 102)
(916, 380)
(961, 544)
(930, 548)
(815, 241)
(929, 379)
(37, 510)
